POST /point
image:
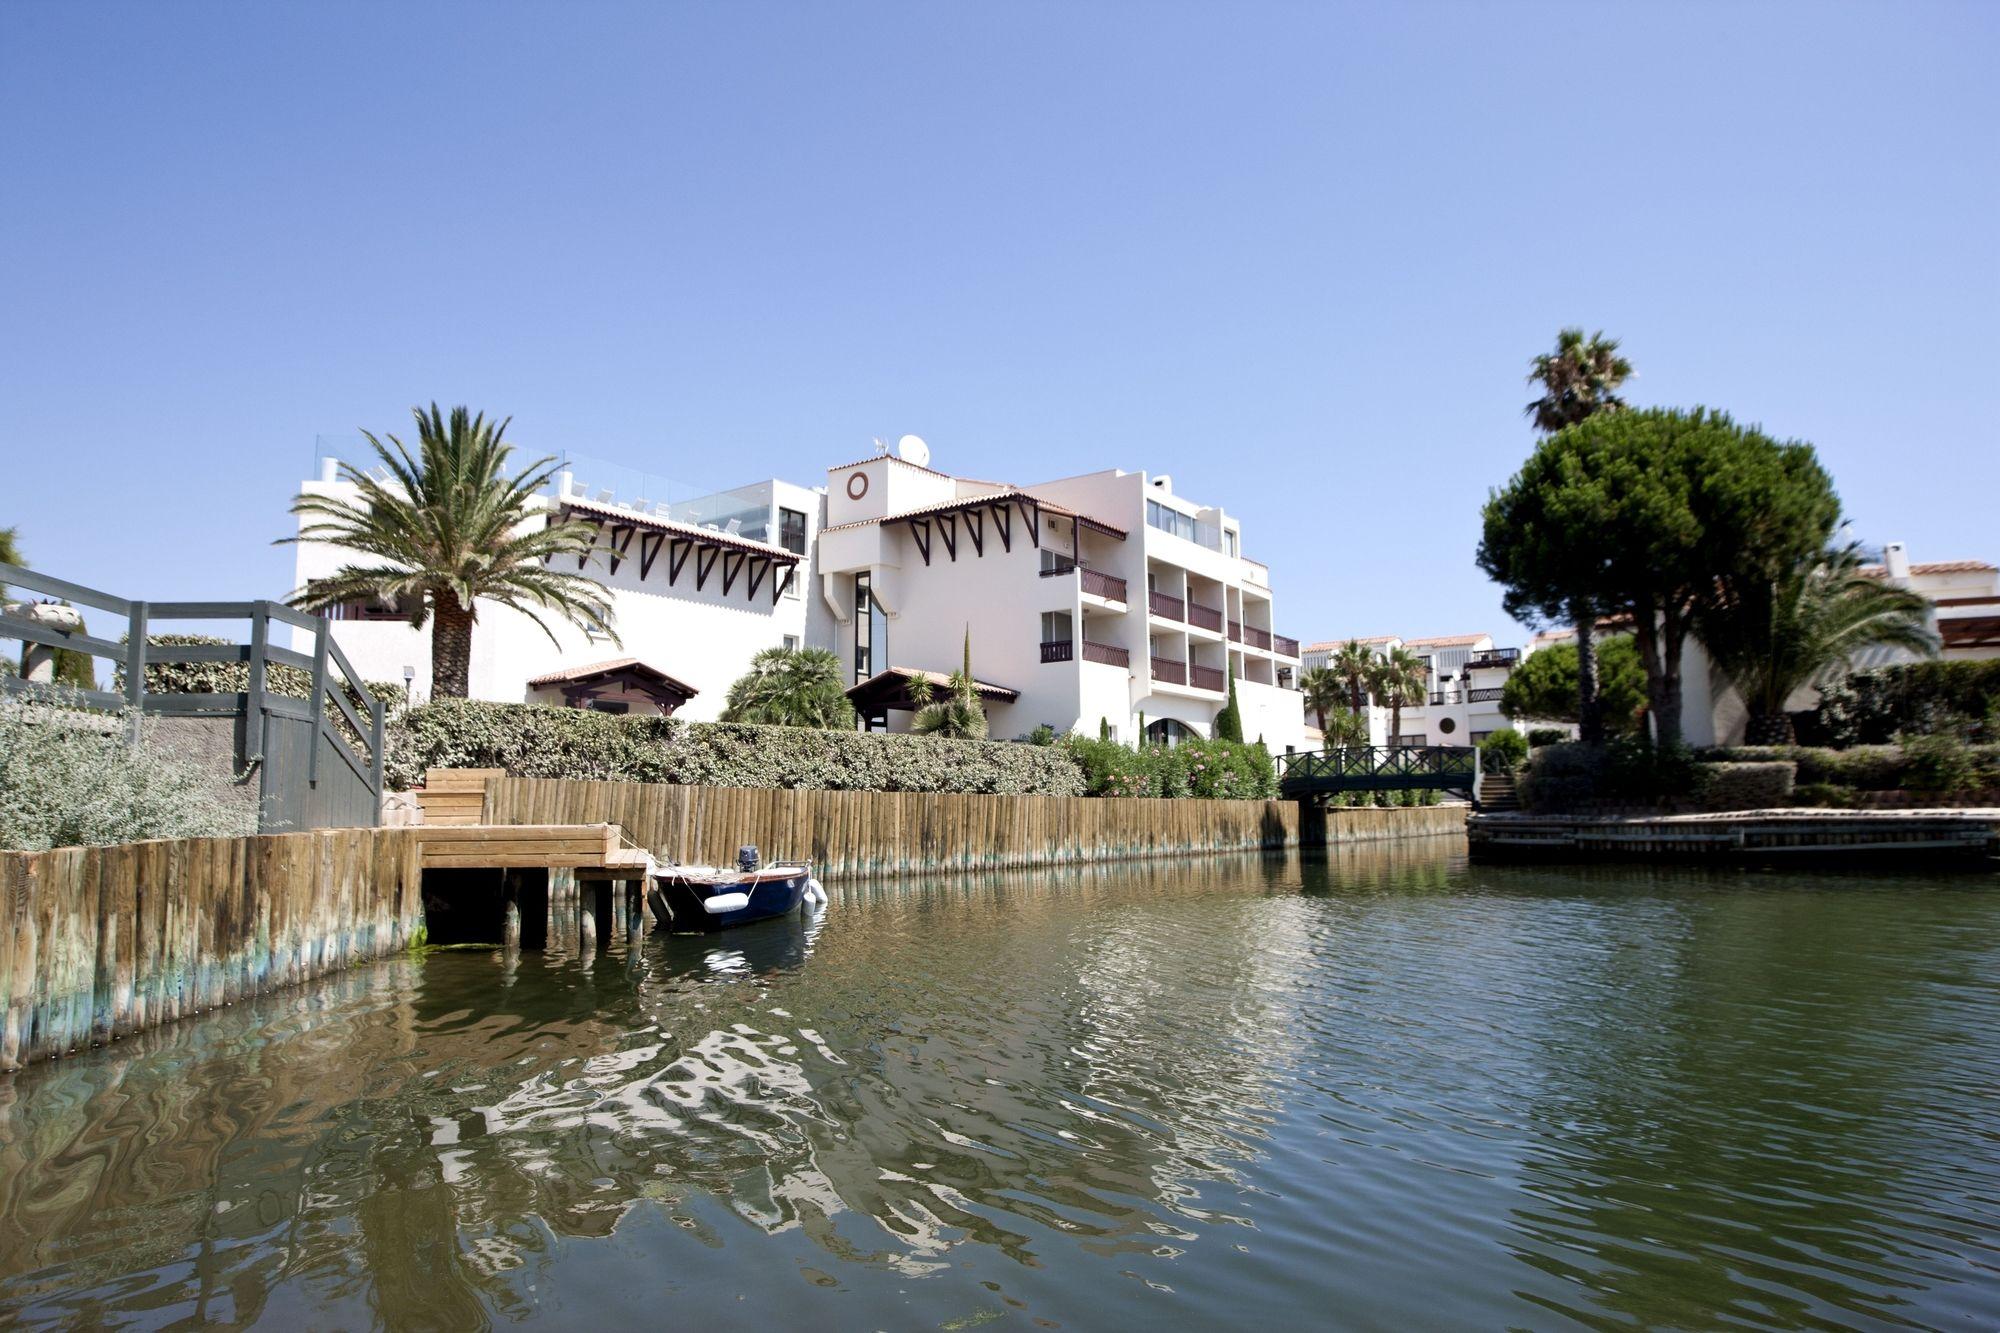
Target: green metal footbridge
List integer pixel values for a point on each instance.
(1314, 775)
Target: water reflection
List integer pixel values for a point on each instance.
(1378, 1087)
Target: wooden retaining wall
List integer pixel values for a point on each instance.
(1393, 823)
(1765, 835)
(97, 943)
(886, 833)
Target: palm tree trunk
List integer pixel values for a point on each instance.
(1589, 712)
(451, 650)
(1396, 721)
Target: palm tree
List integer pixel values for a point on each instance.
(1399, 679)
(1771, 637)
(450, 528)
(1354, 663)
(1579, 379)
(1323, 691)
(791, 687)
(958, 714)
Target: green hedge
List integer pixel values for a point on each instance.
(234, 677)
(1933, 763)
(1877, 706)
(1753, 786)
(537, 741)
(1209, 769)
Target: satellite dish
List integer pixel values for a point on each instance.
(912, 449)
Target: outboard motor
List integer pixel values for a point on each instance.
(746, 859)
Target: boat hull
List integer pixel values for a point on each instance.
(682, 903)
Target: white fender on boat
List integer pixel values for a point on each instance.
(725, 902)
(815, 892)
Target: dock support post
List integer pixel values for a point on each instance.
(510, 904)
(635, 911)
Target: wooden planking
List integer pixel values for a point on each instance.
(1796, 833)
(867, 832)
(97, 943)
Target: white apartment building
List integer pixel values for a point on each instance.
(1461, 704)
(697, 588)
(1098, 601)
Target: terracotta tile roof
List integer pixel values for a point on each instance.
(842, 467)
(639, 518)
(591, 670)
(1935, 567)
(1328, 645)
(937, 678)
(1446, 640)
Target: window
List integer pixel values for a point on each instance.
(1229, 542)
(792, 531)
(1170, 520)
(1055, 562)
(369, 608)
(864, 629)
(611, 705)
(1167, 731)
(1056, 627)
(1396, 741)
(791, 643)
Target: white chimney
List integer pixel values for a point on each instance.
(564, 480)
(329, 468)
(1896, 560)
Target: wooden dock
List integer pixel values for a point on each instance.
(1972, 836)
(601, 851)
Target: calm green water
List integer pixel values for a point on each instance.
(1382, 1091)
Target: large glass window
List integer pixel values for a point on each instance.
(1055, 627)
(792, 531)
(1170, 520)
(864, 629)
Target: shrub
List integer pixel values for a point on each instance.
(1759, 786)
(1211, 769)
(1540, 736)
(533, 740)
(1941, 763)
(1502, 751)
(1872, 767)
(69, 778)
(1629, 769)
(1876, 706)
(1823, 794)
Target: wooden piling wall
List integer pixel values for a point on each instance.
(97, 943)
(887, 833)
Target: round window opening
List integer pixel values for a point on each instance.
(857, 486)
(1447, 726)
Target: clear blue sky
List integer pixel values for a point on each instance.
(1297, 255)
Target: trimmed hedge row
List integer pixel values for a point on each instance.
(1929, 763)
(1208, 769)
(1625, 775)
(538, 741)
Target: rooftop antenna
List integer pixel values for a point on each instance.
(912, 449)
(881, 445)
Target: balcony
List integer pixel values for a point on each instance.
(1204, 617)
(1444, 697)
(1170, 671)
(1165, 607)
(1503, 659)
(1064, 650)
(1490, 696)
(1095, 582)
(1257, 638)
(1236, 631)
(1283, 646)
(1207, 678)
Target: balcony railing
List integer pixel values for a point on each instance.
(1058, 569)
(1108, 586)
(1064, 650)
(1491, 696)
(1207, 678)
(1444, 696)
(1505, 659)
(1257, 638)
(1170, 608)
(1283, 646)
(1236, 631)
(1170, 671)
(1204, 617)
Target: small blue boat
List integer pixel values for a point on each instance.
(689, 899)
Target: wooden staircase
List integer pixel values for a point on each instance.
(1497, 794)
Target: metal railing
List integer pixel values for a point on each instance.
(1106, 653)
(1485, 696)
(1207, 678)
(1236, 631)
(1108, 586)
(1257, 638)
(1379, 768)
(1058, 650)
(1494, 657)
(292, 741)
(1283, 646)
(1204, 617)
(1170, 671)
(1170, 608)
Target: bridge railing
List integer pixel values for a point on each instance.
(1364, 767)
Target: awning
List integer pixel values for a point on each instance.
(889, 690)
(581, 684)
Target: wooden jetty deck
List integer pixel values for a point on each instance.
(1968, 835)
(601, 851)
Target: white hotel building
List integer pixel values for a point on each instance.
(1099, 601)
(1467, 673)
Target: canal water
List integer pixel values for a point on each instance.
(1379, 1090)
